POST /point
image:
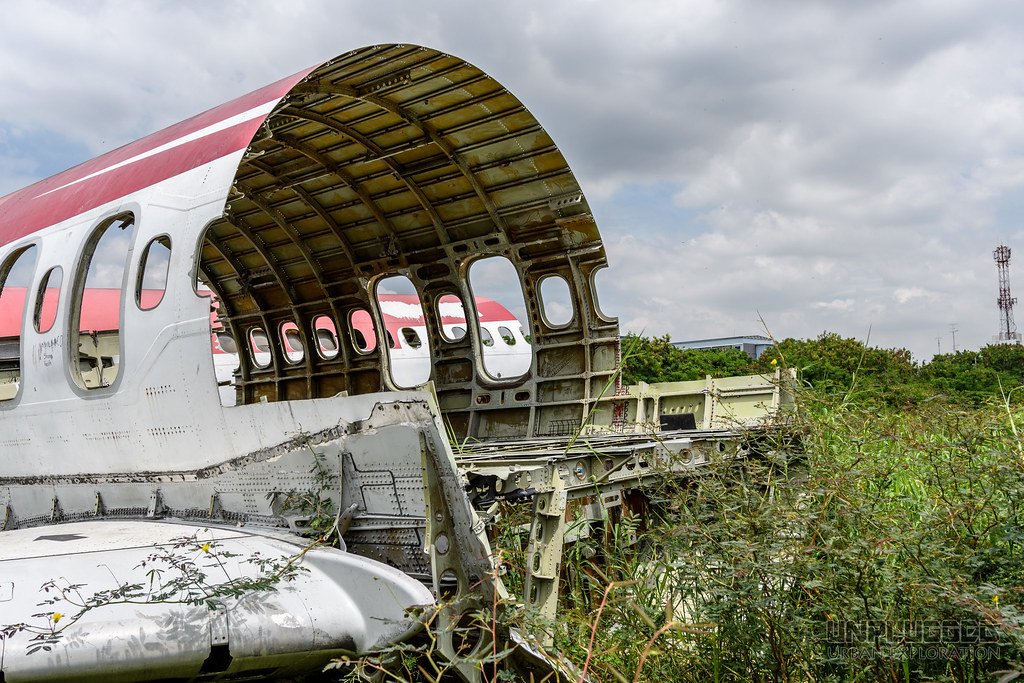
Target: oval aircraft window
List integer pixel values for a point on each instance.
(595, 286)
(259, 346)
(15, 276)
(153, 266)
(412, 338)
(555, 303)
(452, 315)
(291, 340)
(226, 342)
(506, 335)
(400, 308)
(47, 297)
(499, 302)
(326, 337)
(361, 324)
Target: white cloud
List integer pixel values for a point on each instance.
(841, 305)
(905, 294)
(832, 165)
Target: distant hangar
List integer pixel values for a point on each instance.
(752, 345)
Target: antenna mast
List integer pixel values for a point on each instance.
(1007, 328)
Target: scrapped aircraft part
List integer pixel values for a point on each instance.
(745, 401)
(390, 477)
(589, 464)
(366, 451)
(544, 554)
(400, 160)
(299, 198)
(279, 214)
(137, 630)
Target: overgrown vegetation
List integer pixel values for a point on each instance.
(833, 363)
(891, 550)
(654, 359)
(888, 547)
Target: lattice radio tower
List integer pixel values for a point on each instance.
(1007, 328)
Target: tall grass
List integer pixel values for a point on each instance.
(903, 528)
(887, 546)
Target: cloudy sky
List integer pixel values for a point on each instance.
(840, 166)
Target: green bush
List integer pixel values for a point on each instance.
(976, 375)
(654, 359)
(841, 366)
(749, 570)
(834, 362)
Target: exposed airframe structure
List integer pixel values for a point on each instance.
(393, 159)
(292, 205)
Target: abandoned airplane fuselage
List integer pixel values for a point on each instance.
(292, 205)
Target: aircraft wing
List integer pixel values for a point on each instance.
(130, 600)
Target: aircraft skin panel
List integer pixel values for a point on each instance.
(41, 211)
(320, 609)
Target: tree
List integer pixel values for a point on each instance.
(831, 361)
(976, 375)
(834, 363)
(655, 359)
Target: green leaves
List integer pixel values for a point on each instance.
(908, 521)
(189, 571)
(654, 359)
(843, 366)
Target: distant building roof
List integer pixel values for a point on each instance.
(752, 338)
(752, 344)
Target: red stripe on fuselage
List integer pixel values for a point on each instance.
(31, 214)
(101, 311)
(42, 204)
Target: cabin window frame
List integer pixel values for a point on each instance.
(452, 338)
(546, 299)
(6, 266)
(485, 342)
(141, 269)
(411, 337)
(510, 338)
(594, 298)
(81, 267)
(296, 357)
(325, 354)
(395, 340)
(39, 299)
(254, 348)
(355, 334)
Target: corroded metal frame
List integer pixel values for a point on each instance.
(403, 160)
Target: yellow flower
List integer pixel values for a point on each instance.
(774, 362)
(205, 547)
(57, 616)
(995, 600)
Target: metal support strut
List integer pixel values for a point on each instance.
(547, 537)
